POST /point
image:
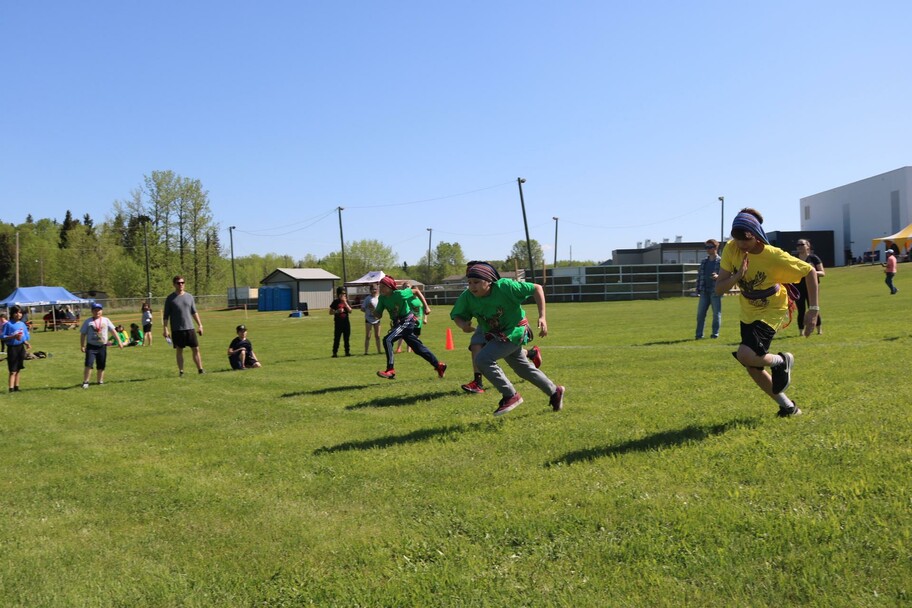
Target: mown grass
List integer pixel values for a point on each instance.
(667, 480)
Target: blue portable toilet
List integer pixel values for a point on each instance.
(264, 300)
(282, 298)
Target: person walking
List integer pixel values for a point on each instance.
(179, 314)
(706, 289)
(760, 271)
(93, 341)
(805, 253)
(890, 271)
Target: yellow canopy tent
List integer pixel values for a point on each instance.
(902, 239)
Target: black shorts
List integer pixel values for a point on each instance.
(15, 357)
(184, 338)
(147, 328)
(97, 356)
(757, 336)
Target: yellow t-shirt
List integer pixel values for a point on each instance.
(765, 269)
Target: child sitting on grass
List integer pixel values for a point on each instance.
(240, 351)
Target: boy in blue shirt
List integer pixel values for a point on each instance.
(403, 313)
(15, 335)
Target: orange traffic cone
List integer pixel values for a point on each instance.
(449, 339)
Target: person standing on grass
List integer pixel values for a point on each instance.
(4, 319)
(497, 305)
(147, 324)
(399, 303)
(706, 289)
(804, 253)
(761, 272)
(371, 323)
(340, 309)
(477, 341)
(15, 335)
(93, 341)
(890, 271)
(180, 313)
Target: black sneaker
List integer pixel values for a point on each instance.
(792, 410)
(782, 374)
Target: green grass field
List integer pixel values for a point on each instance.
(666, 481)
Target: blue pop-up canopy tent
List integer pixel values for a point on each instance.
(41, 296)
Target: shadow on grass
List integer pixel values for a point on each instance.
(667, 342)
(330, 389)
(407, 438)
(399, 400)
(656, 441)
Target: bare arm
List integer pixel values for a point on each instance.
(810, 318)
(727, 279)
(464, 324)
(417, 292)
(539, 297)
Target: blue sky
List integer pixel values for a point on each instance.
(628, 120)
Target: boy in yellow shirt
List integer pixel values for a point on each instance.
(761, 272)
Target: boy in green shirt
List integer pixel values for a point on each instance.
(497, 305)
(403, 312)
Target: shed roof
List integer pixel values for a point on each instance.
(302, 274)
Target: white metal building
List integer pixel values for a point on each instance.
(856, 213)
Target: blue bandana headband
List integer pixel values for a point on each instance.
(748, 221)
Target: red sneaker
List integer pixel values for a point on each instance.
(507, 404)
(441, 368)
(472, 387)
(389, 374)
(535, 356)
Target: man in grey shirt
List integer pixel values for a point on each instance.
(180, 310)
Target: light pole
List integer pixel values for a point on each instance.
(342, 241)
(40, 262)
(144, 220)
(233, 273)
(430, 234)
(722, 237)
(520, 181)
(554, 266)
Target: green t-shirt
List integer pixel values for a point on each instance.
(417, 308)
(398, 303)
(500, 312)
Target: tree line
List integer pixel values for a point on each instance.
(166, 225)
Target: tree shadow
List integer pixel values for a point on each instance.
(656, 441)
(446, 432)
(399, 400)
(329, 389)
